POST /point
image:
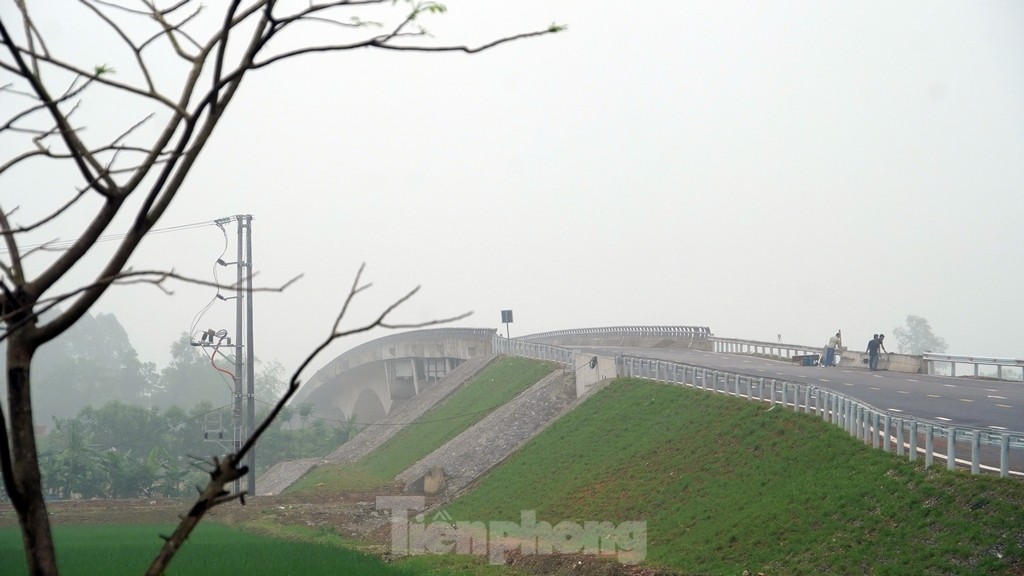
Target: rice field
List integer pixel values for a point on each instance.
(214, 549)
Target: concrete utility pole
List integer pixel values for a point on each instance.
(244, 381)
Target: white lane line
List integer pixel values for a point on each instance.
(894, 410)
(902, 392)
(950, 385)
(1004, 405)
(933, 396)
(998, 397)
(912, 380)
(966, 400)
(847, 384)
(990, 390)
(822, 379)
(876, 388)
(943, 419)
(998, 427)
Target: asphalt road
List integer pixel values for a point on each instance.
(997, 405)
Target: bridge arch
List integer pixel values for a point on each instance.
(368, 380)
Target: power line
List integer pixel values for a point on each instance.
(64, 244)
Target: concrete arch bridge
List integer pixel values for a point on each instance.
(370, 380)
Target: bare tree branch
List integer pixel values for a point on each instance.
(231, 468)
(157, 278)
(149, 169)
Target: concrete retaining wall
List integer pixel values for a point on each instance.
(892, 362)
(587, 378)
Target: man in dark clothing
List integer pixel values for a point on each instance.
(872, 351)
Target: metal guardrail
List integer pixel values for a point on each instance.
(872, 425)
(535, 350)
(696, 332)
(754, 347)
(931, 360)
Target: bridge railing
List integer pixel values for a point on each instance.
(1005, 368)
(695, 332)
(535, 350)
(873, 426)
(935, 364)
(755, 347)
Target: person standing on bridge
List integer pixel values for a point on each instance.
(830, 351)
(872, 351)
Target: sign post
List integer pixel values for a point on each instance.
(506, 318)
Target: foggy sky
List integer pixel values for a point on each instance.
(764, 169)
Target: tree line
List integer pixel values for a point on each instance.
(112, 426)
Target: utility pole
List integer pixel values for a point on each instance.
(244, 378)
(244, 381)
(236, 412)
(250, 358)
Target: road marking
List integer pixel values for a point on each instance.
(1004, 406)
(875, 388)
(943, 419)
(998, 427)
(966, 400)
(894, 410)
(950, 385)
(822, 379)
(903, 392)
(990, 390)
(847, 384)
(998, 397)
(933, 396)
(912, 380)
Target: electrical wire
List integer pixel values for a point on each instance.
(216, 348)
(64, 244)
(216, 280)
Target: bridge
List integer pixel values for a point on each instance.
(373, 378)
(369, 381)
(907, 401)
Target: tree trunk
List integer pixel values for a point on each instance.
(27, 496)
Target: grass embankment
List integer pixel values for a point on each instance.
(491, 388)
(727, 485)
(215, 549)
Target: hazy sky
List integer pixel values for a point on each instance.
(760, 168)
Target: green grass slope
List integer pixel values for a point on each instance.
(727, 485)
(214, 549)
(493, 387)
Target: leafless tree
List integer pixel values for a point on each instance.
(132, 172)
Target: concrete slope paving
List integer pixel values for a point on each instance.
(284, 474)
(374, 436)
(485, 444)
